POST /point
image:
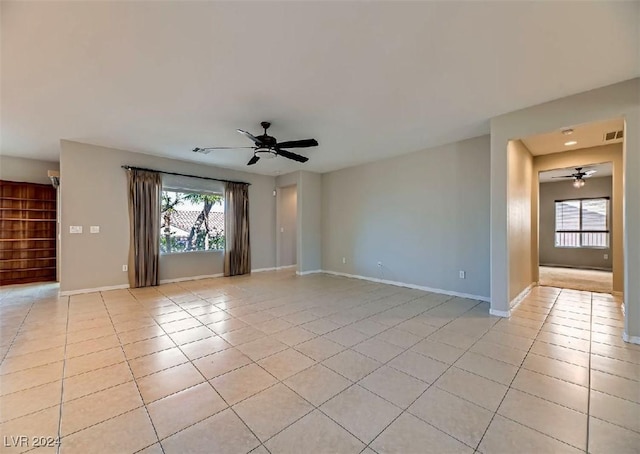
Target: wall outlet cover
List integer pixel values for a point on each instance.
(75, 229)
(94, 229)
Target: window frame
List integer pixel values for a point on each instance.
(179, 188)
(607, 231)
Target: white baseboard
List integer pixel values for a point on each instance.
(498, 313)
(262, 270)
(631, 339)
(304, 273)
(93, 290)
(286, 267)
(190, 278)
(404, 284)
(521, 296)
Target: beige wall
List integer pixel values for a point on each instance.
(94, 192)
(614, 101)
(595, 155)
(26, 170)
(424, 215)
(551, 255)
(520, 164)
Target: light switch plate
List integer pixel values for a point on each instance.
(75, 229)
(94, 229)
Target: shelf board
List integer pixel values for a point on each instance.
(27, 239)
(21, 199)
(39, 268)
(21, 260)
(27, 220)
(53, 210)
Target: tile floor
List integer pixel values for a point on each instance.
(284, 364)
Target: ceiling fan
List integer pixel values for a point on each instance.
(266, 146)
(578, 176)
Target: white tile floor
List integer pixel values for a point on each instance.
(278, 363)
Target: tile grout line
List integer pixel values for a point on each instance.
(190, 361)
(317, 362)
(368, 445)
(589, 377)
(134, 379)
(321, 335)
(476, 449)
(64, 364)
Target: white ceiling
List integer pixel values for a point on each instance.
(367, 79)
(587, 136)
(602, 170)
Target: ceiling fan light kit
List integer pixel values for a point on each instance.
(578, 177)
(267, 147)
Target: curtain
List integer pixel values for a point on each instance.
(145, 189)
(237, 254)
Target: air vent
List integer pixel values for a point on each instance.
(613, 135)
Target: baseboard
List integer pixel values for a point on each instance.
(631, 339)
(498, 313)
(190, 278)
(93, 290)
(304, 273)
(577, 267)
(407, 285)
(262, 270)
(288, 267)
(521, 296)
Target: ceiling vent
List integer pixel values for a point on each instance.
(612, 136)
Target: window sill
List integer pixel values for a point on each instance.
(209, 251)
(601, 248)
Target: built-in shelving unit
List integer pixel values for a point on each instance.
(27, 233)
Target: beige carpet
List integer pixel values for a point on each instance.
(590, 280)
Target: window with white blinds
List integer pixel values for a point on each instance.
(582, 223)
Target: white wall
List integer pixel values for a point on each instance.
(94, 192)
(26, 170)
(424, 215)
(619, 100)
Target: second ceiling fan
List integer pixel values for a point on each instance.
(266, 146)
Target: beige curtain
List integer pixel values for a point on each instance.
(237, 254)
(145, 189)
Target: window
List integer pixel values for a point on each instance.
(191, 221)
(582, 223)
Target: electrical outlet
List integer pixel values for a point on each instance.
(606, 256)
(344, 260)
(463, 274)
(125, 267)
(379, 264)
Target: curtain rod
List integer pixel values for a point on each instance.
(184, 175)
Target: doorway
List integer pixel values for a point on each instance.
(577, 207)
(287, 226)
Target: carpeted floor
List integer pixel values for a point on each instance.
(590, 280)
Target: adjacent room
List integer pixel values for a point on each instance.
(319, 227)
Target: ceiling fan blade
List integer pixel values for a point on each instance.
(566, 176)
(204, 149)
(590, 172)
(288, 154)
(253, 160)
(250, 137)
(305, 143)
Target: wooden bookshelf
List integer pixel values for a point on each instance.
(27, 233)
